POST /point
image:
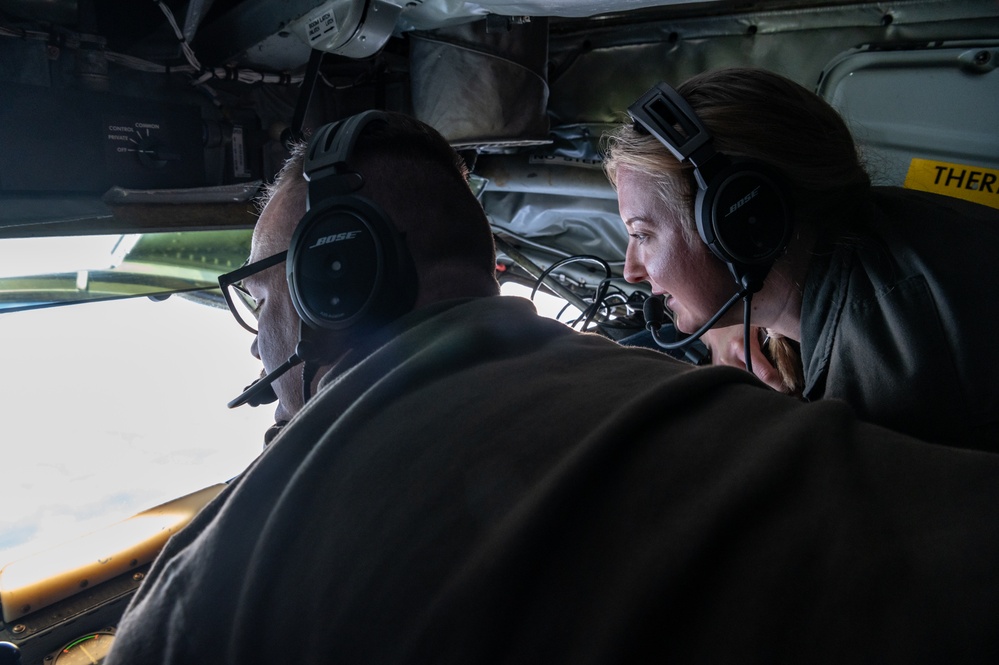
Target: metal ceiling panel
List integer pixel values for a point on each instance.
(938, 103)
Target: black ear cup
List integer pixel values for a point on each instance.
(741, 210)
(347, 266)
(743, 217)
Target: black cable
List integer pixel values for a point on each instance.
(294, 132)
(598, 300)
(309, 371)
(586, 316)
(571, 259)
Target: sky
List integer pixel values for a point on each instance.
(112, 408)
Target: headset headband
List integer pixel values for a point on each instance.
(325, 167)
(665, 114)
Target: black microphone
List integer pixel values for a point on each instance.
(654, 310)
(257, 397)
(655, 316)
(261, 391)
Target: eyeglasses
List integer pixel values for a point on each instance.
(242, 305)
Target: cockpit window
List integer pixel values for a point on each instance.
(113, 407)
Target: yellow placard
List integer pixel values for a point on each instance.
(972, 183)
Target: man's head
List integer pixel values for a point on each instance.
(408, 171)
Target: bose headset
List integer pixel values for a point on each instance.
(347, 265)
(741, 209)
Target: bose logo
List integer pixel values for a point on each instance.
(743, 201)
(336, 237)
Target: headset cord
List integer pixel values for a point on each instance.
(294, 132)
(747, 307)
(309, 370)
(309, 354)
(655, 314)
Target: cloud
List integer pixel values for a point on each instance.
(113, 408)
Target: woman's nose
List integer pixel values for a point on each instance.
(634, 270)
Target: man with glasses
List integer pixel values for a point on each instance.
(462, 481)
(421, 185)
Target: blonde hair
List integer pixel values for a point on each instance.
(757, 114)
(785, 355)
